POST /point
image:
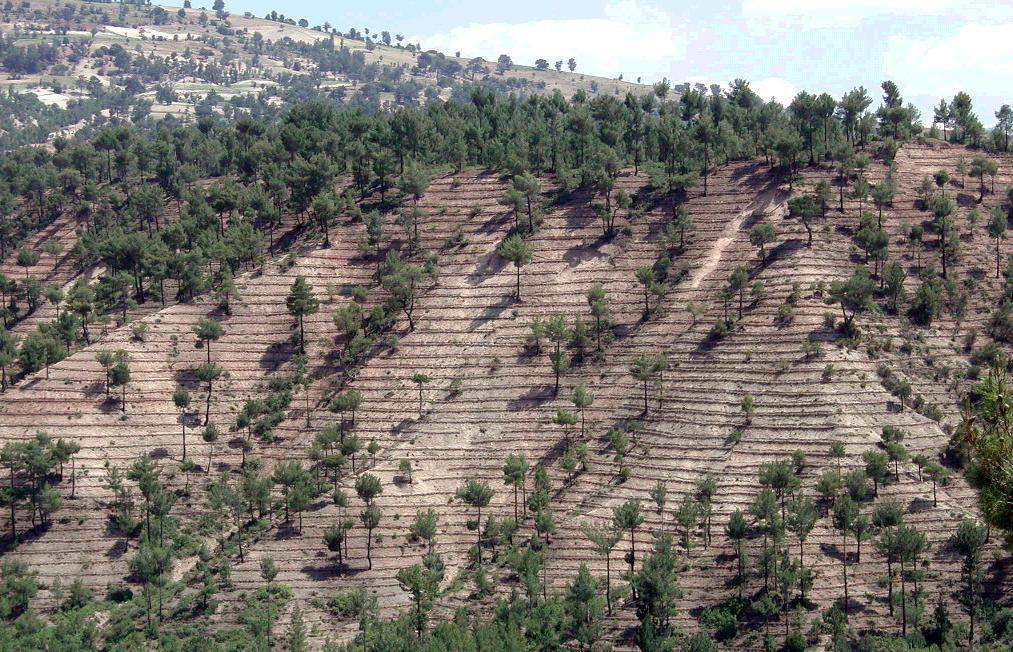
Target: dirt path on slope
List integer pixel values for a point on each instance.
(759, 208)
(686, 342)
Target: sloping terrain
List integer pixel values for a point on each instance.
(240, 56)
(469, 328)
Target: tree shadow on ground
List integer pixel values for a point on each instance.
(496, 224)
(555, 452)
(290, 530)
(536, 396)
(965, 200)
(491, 313)
(117, 550)
(781, 251)
(110, 404)
(159, 453)
(186, 379)
(27, 535)
(330, 571)
(488, 265)
(574, 256)
(275, 356)
(707, 344)
(95, 389)
(756, 175)
(285, 240)
(920, 504)
(402, 425)
(834, 551)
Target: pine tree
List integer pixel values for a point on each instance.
(583, 608)
(997, 227)
(557, 333)
(301, 303)
(655, 592)
(422, 583)
(845, 513)
(119, 376)
(969, 540)
(370, 520)
(297, 632)
(208, 373)
(515, 250)
(515, 471)
(582, 399)
(737, 530)
(208, 330)
(628, 517)
(420, 379)
(477, 495)
(604, 539)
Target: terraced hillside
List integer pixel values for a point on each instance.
(491, 393)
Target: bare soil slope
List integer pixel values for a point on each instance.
(468, 328)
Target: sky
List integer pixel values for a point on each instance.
(931, 48)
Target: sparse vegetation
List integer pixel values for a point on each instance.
(832, 457)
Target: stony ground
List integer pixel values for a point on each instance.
(469, 328)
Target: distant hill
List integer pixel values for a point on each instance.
(139, 60)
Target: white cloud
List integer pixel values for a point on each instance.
(780, 90)
(976, 54)
(631, 37)
(809, 14)
(977, 59)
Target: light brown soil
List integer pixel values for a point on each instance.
(469, 328)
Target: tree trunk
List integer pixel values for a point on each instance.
(903, 599)
(207, 409)
(889, 577)
(738, 556)
(14, 521)
(515, 503)
(971, 610)
(633, 553)
(608, 583)
(479, 530)
(844, 558)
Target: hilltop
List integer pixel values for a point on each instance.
(85, 62)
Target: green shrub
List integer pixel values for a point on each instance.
(795, 642)
(988, 355)
(348, 604)
(119, 593)
(721, 622)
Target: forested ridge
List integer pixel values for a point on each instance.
(659, 370)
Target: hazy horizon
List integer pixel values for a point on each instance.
(931, 48)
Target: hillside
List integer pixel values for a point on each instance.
(76, 58)
(424, 363)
